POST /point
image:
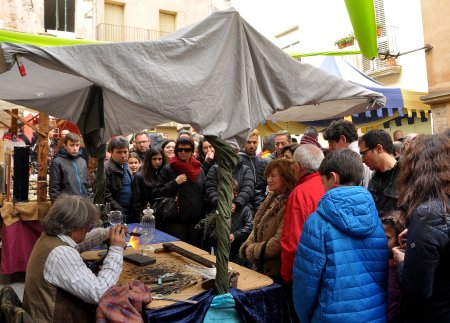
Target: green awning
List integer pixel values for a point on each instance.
(39, 40)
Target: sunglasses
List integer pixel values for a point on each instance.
(186, 150)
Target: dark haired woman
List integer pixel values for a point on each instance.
(289, 150)
(205, 155)
(168, 148)
(183, 178)
(424, 260)
(263, 247)
(145, 179)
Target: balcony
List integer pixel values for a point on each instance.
(378, 67)
(117, 33)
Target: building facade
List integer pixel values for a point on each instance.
(315, 26)
(436, 28)
(118, 20)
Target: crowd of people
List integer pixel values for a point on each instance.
(358, 231)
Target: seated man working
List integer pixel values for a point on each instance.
(58, 284)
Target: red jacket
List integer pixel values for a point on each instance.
(302, 201)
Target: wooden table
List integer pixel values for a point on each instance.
(173, 262)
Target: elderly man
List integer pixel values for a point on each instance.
(141, 144)
(59, 286)
(302, 201)
(342, 134)
(282, 139)
(377, 152)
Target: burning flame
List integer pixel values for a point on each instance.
(134, 241)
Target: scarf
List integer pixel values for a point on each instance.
(309, 140)
(191, 168)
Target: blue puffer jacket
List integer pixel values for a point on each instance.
(341, 265)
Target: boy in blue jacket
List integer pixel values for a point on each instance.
(341, 264)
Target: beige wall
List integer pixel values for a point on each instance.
(28, 16)
(435, 16)
(436, 26)
(145, 14)
(22, 15)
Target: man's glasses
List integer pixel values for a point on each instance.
(364, 152)
(141, 142)
(186, 150)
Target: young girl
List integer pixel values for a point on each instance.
(134, 162)
(392, 228)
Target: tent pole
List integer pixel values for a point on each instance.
(42, 158)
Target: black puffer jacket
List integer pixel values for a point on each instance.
(241, 226)
(243, 175)
(383, 187)
(190, 195)
(425, 272)
(69, 175)
(258, 166)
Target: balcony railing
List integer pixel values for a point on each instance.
(386, 42)
(117, 33)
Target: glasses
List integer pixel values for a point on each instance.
(363, 153)
(141, 142)
(186, 150)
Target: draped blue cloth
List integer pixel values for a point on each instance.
(266, 304)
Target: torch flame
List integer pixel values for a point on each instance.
(134, 241)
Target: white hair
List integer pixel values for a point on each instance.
(309, 157)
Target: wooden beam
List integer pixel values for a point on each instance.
(14, 122)
(32, 126)
(6, 125)
(42, 158)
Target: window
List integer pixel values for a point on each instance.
(167, 21)
(114, 29)
(383, 43)
(59, 15)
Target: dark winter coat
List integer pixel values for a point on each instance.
(257, 166)
(205, 165)
(424, 274)
(190, 194)
(241, 226)
(243, 175)
(383, 187)
(113, 184)
(69, 175)
(142, 191)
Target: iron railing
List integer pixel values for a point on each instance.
(117, 33)
(386, 42)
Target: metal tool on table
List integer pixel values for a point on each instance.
(170, 247)
(164, 298)
(209, 283)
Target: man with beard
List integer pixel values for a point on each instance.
(257, 165)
